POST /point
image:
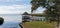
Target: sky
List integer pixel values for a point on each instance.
(17, 7)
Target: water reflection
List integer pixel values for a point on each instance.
(11, 20)
(10, 25)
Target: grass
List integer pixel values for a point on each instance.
(39, 24)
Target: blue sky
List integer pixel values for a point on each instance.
(16, 7)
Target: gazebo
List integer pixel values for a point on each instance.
(25, 17)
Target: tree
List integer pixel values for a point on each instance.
(48, 4)
(36, 4)
(52, 11)
(1, 20)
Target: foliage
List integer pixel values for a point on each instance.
(1, 20)
(36, 4)
(37, 14)
(52, 7)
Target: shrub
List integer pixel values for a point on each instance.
(1, 20)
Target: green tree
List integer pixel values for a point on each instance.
(36, 4)
(52, 11)
(48, 4)
(1, 20)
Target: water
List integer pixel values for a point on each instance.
(11, 20)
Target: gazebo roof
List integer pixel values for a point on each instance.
(25, 13)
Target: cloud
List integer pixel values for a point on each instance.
(9, 0)
(40, 10)
(14, 9)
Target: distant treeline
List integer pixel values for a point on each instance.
(38, 15)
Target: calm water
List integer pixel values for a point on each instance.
(11, 20)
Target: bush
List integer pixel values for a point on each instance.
(1, 20)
